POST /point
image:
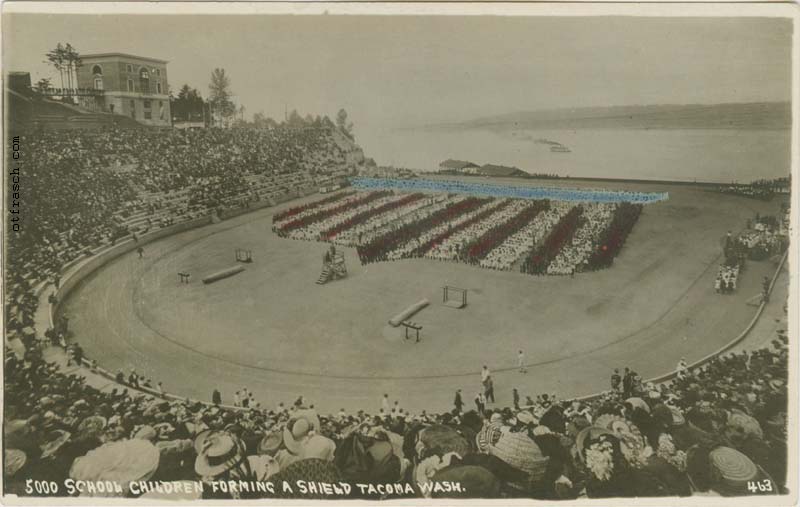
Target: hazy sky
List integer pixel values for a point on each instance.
(406, 70)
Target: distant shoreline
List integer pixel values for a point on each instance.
(589, 178)
(724, 116)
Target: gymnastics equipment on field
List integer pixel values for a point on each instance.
(408, 313)
(183, 276)
(333, 269)
(225, 273)
(244, 255)
(454, 297)
(412, 325)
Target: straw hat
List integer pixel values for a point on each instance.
(519, 451)
(56, 440)
(745, 423)
(14, 461)
(731, 470)
(219, 452)
(319, 447)
(295, 433)
(122, 462)
(271, 442)
(92, 426)
(443, 439)
(146, 432)
(526, 417)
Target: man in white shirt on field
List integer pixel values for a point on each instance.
(485, 374)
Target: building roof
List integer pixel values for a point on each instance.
(123, 55)
(457, 164)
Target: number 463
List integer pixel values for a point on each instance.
(759, 486)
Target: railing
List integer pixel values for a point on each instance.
(69, 92)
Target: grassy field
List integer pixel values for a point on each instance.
(273, 330)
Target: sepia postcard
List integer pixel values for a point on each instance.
(400, 253)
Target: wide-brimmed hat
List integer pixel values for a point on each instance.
(271, 443)
(123, 462)
(443, 439)
(521, 452)
(745, 423)
(56, 440)
(526, 417)
(145, 432)
(92, 426)
(13, 462)
(295, 433)
(638, 403)
(15, 427)
(219, 452)
(319, 447)
(731, 471)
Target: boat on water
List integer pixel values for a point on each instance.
(560, 148)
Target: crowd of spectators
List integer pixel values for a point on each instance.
(87, 189)
(714, 430)
(764, 190)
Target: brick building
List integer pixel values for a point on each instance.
(134, 86)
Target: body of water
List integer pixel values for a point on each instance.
(680, 155)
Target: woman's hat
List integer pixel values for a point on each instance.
(295, 433)
(13, 462)
(271, 442)
(731, 471)
(56, 440)
(146, 432)
(219, 452)
(521, 452)
(638, 403)
(123, 462)
(92, 426)
(526, 417)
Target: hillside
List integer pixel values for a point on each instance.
(755, 115)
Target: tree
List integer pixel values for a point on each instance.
(343, 125)
(56, 58)
(73, 62)
(188, 105)
(295, 120)
(42, 84)
(220, 94)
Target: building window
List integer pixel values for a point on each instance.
(133, 109)
(129, 68)
(97, 70)
(147, 104)
(98, 83)
(148, 115)
(144, 81)
(130, 85)
(158, 72)
(158, 87)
